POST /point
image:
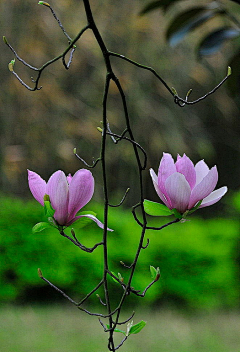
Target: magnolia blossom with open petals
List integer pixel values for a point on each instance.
(181, 185)
(67, 194)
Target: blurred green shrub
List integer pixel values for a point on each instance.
(197, 259)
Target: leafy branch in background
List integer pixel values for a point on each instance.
(58, 191)
(192, 18)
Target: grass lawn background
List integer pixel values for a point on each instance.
(65, 329)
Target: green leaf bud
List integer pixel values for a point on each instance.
(43, 3)
(5, 40)
(40, 273)
(40, 227)
(11, 65)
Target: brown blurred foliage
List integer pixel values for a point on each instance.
(40, 129)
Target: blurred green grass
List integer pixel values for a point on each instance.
(65, 329)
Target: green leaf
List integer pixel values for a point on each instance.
(213, 42)
(156, 209)
(187, 21)
(164, 4)
(48, 209)
(114, 278)
(84, 221)
(41, 226)
(135, 329)
(117, 330)
(155, 273)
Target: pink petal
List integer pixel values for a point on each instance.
(90, 216)
(202, 170)
(213, 197)
(159, 193)
(204, 188)
(57, 189)
(81, 191)
(185, 166)
(166, 168)
(37, 186)
(179, 191)
(69, 178)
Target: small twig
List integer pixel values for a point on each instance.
(85, 163)
(134, 214)
(58, 21)
(126, 266)
(90, 293)
(70, 59)
(146, 289)
(100, 300)
(98, 314)
(182, 102)
(60, 291)
(144, 247)
(104, 327)
(125, 321)
(162, 227)
(23, 83)
(121, 343)
(78, 244)
(121, 202)
(19, 58)
(94, 314)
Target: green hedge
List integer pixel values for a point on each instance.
(197, 258)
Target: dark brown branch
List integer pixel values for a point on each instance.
(60, 291)
(90, 293)
(179, 101)
(126, 266)
(127, 320)
(121, 343)
(144, 247)
(100, 300)
(162, 227)
(78, 244)
(85, 163)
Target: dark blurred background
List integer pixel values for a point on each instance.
(40, 129)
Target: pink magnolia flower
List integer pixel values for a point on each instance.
(181, 185)
(67, 194)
